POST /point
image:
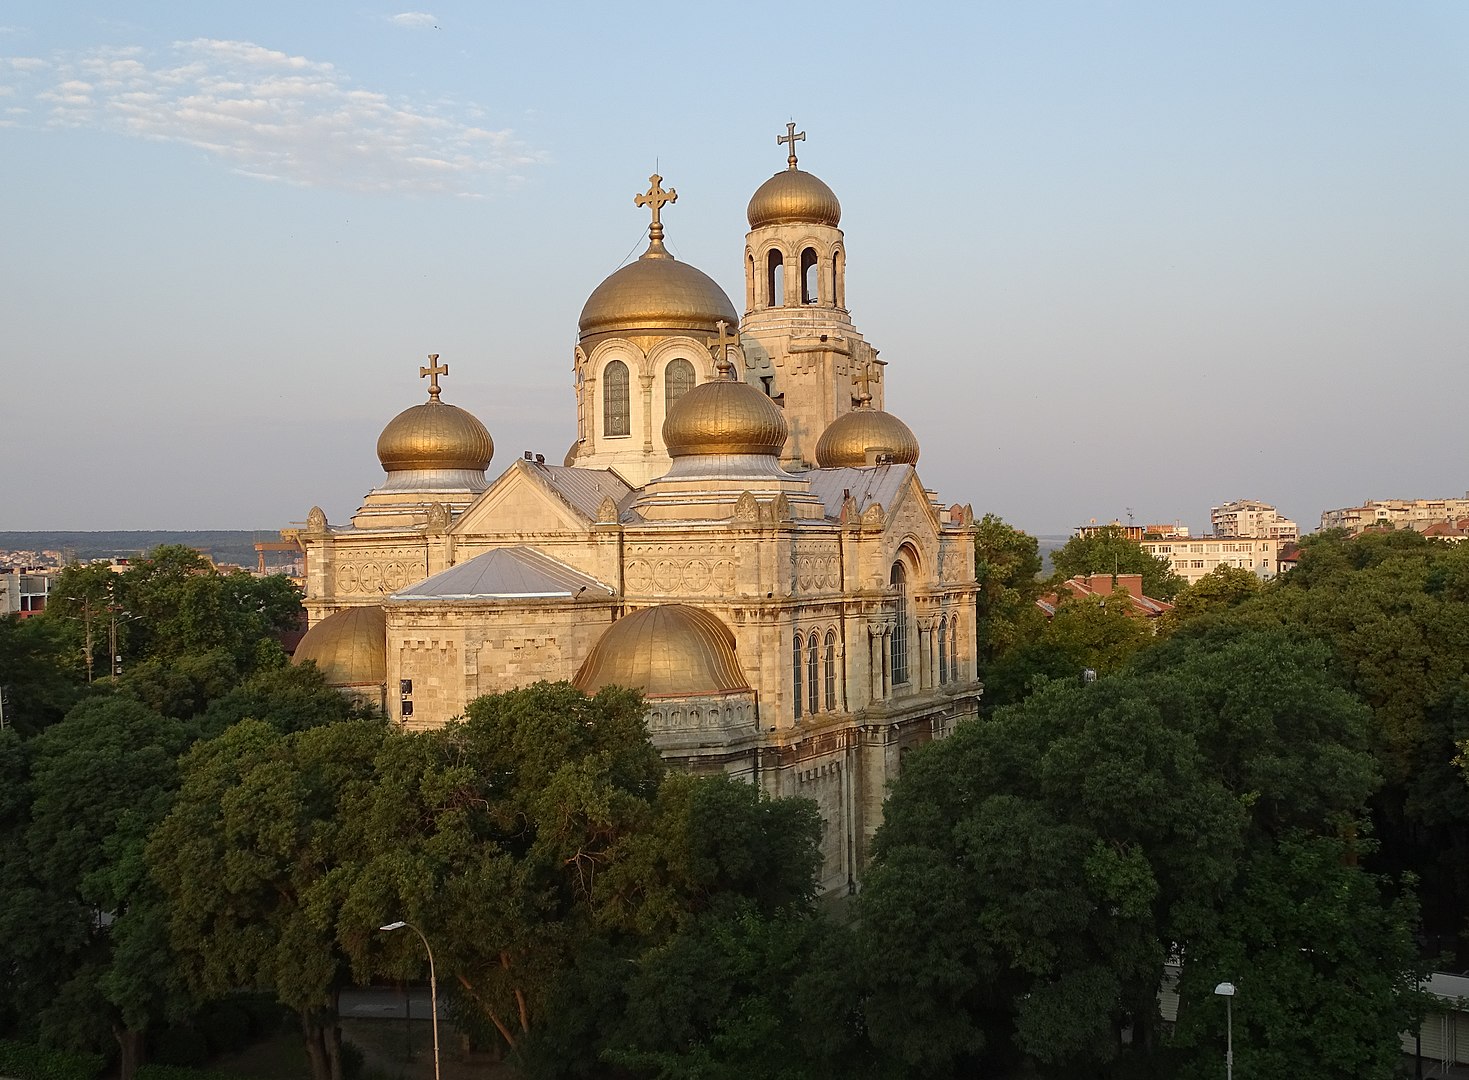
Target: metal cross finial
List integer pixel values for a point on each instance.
(720, 347)
(868, 373)
(432, 373)
(791, 136)
(656, 197)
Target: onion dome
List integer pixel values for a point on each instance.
(793, 197)
(657, 293)
(671, 650)
(350, 647)
(848, 439)
(435, 435)
(723, 416)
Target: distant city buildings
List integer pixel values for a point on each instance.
(1420, 515)
(1251, 518)
(23, 590)
(1193, 557)
(1131, 532)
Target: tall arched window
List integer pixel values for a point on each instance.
(616, 416)
(899, 640)
(749, 283)
(943, 649)
(810, 290)
(678, 380)
(831, 671)
(839, 278)
(775, 278)
(796, 672)
(813, 673)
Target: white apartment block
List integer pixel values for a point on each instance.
(1399, 513)
(1250, 518)
(1194, 557)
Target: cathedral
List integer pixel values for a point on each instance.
(739, 532)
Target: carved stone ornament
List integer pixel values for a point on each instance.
(316, 521)
(438, 518)
(747, 509)
(607, 511)
(873, 516)
(780, 508)
(851, 514)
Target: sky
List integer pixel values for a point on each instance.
(1122, 258)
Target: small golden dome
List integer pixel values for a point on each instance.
(794, 197)
(847, 440)
(349, 646)
(435, 435)
(724, 417)
(672, 650)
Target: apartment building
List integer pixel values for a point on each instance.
(1251, 518)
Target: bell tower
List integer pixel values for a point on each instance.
(799, 340)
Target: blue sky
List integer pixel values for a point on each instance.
(1118, 255)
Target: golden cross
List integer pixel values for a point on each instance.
(870, 372)
(791, 136)
(720, 346)
(432, 373)
(656, 197)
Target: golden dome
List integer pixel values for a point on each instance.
(350, 647)
(435, 436)
(672, 650)
(724, 417)
(848, 438)
(793, 197)
(656, 294)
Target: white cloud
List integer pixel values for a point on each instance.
(284, 118)
(26, 63)
(413, 20)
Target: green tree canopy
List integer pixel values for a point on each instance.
(1007, 565)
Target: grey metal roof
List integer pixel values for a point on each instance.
(584, 489)
(505, 573)
(872, 484)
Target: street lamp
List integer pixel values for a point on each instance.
(1226, 991)
(433, 985)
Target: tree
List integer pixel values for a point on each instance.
(1108, 551)
(38, 683)
(1219, 590)
(99, 781)
(1034, 870)
(252, 860)
(1007, 565)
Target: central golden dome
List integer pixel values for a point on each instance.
(793, 197)
(724, 417)
(847, 440)
(349, 646)
(656, 294)
(435, 436)
(671, 650)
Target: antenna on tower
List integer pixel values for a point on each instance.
(1129, 517)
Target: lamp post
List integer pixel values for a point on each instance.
(1226, 991)
(433, 985)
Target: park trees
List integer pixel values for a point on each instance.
(1064, 849)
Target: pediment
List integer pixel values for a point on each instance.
(520, 501)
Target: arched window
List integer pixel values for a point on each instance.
(899, 640)
(616, 416)
(678, 380)
(813, 673)
(749, 283)
(796, 672)
(810, 290)
(839, 278)
(775, 278)
(943, 649)
(831, 671)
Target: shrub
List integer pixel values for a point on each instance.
(25, 1062)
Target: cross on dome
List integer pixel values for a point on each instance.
(868, 373)
(656, 198)
(791, 136)
(720, 348)
(432, 373)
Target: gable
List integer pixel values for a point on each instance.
(519, 501)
